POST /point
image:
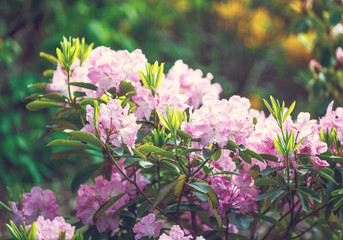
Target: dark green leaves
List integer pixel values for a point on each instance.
(38, 105)
(200, 186)
(309, 192)
(273, 221)
(70, 144)
(84, 85)
(85, 137)
(82, 176)
(239, 220)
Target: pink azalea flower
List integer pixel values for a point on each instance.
(49, 230)
(59, 82)
(148, 227)
(192, 83)
(219, 121)
(109, 68)
(175, 233)
(36, 203)
(116, 125)
(91, 198)
(339, 55)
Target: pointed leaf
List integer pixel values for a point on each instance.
(84, 85)
(86, 137)
(264, 195)
(108, 204)
(82, 176)
(258, 216)
(270, 170)
(269, 157)
(239, 220)
(200, 186)
(304, 202)
(164, 191)
(70, 143)
(309, 192)
(49, 57)
(266, 182)
(38, 105)
(289, 111)
(254, 155)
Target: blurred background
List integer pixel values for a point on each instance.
(254, 48)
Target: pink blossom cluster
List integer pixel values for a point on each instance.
(148, 227)
(237, 193)
(59, 81)
(115, 124)
(181, 88)
(266, 128)
(176, 233)
(91, 198)
(333, 119)
(219, 121)
(34, 204)
(47, 229)
(167, 94)
(108, 68)
(192, 83)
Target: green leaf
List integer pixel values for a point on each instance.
(309, 192)
(129, 161)
(227, 173)
(49, 57)
(264, 195)
(59, 97)
(108, 204)
(164, 191)
(32, 232)
(232, 144)
(38, 105)
(304, 202)
(338, 204)
(269, 157)
(69, 143)
(212, 200)
(245, 157)
(182, 134)
(289, 111)
(139, 154)
(200, 186)
(145, 164)
(86, 137)
(270, 170)
(266, 182)
(84, 85)
(184, 206)
(217, 154)
(125, 87)
(4, 206)
(276, 195)
(207, 153)
(39, 86)
(239, 220)
(325, 174)
(254, 155)
(190, 150)
(82, 176)
(149, 148)
(142, 133)
(259, 216)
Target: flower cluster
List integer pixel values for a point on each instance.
(333, 119)
(108, 68)
(91, 198)
(148, 227)
(115, 124)
(236, 193)
(37, 203)
(50, 230)
(176, 233)
(219, 121)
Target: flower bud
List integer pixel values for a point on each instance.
(339, 55)
(315, 65)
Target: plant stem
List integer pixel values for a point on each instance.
(69, 88)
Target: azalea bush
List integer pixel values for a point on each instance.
(170, 159)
